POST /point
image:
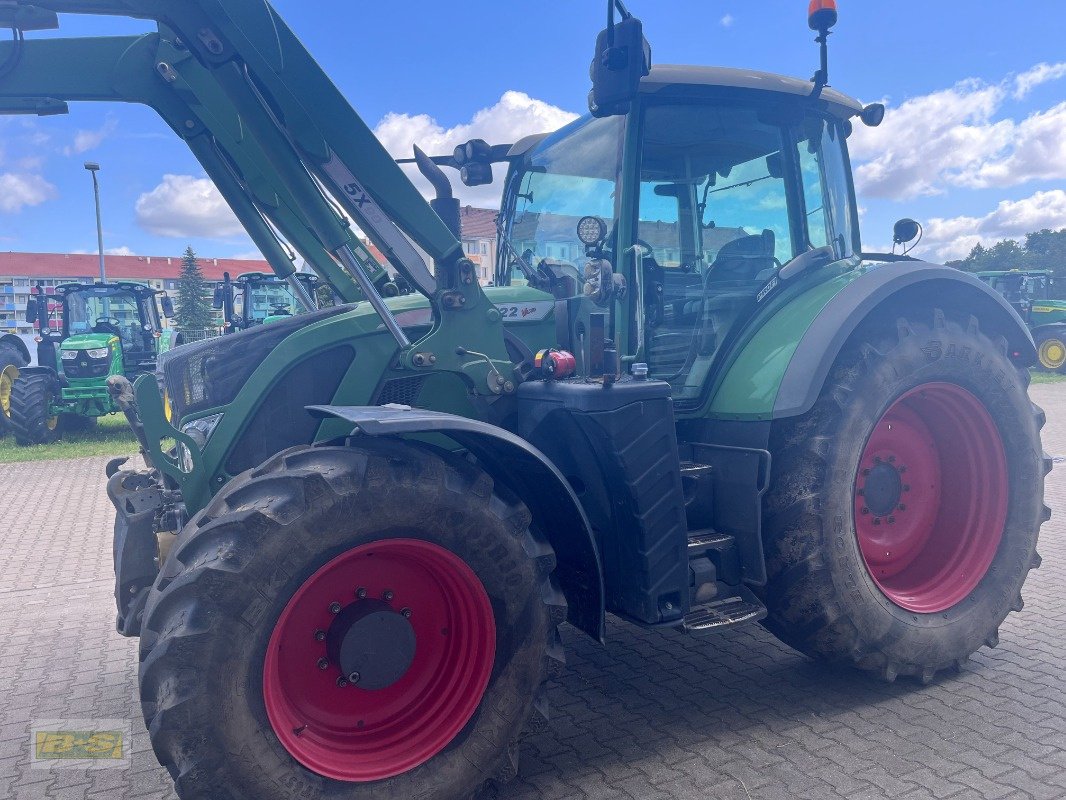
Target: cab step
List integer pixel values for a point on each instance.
(727, 612)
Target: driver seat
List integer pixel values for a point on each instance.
(744, 259)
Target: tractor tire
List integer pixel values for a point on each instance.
(30, 422)
(261, 676)
(10, 362)
(903, 516)
(1051, 351)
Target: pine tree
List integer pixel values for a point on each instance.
(194, 309)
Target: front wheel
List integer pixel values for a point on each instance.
(904, 512)
(353, 622)
(1051, 351)
(31, 419)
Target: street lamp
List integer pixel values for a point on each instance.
(93, 168)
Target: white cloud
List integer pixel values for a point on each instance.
(183, 207)
(515, 115)
(1041, 73)
(1037, 151)
(952, 138)
(727, 21)
(119, 251)
(85, 140)
(954, 237)
(18, 190)
(248, 255)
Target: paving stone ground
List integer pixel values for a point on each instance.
(651, 716)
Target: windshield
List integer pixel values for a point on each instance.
(101, 311)
(564, 181)
(270, 297)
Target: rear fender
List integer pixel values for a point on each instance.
(511, 460)
(780, 369)
(894, 290)
(19, 344)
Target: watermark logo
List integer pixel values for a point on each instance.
(80, 743)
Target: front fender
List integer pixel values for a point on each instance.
(529, 474)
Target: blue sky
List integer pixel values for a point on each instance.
(974, 145)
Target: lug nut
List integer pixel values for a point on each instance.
(334, 608)
(354, 677)
(323, 663)
(387, 594)
(341, 682)
(891, 459)
(906, 487)
(891, 520)
(902, 468)
(866, 472)
(360, 593)
(902, 507)
(877, 520)
(865, 510)
(320, 636)
(407, 613)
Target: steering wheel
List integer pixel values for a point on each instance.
(112, 323)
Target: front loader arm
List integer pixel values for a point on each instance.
(310, 140)
(125, 69)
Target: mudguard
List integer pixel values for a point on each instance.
(892, 288)
(21, 343)
(527, 472)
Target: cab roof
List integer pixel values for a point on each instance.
(665, 77)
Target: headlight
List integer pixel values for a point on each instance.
(199, 430)
(68, 355)
(99, 352)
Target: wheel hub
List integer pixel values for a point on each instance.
(372, 644)
(931, 497)
(883, 489)
(379, 659)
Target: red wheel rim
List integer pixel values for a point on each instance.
(931, 497)
(350, 733)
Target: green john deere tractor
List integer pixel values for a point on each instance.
(88, 333)
(1029, 292)
(690, 400)
(255, 298)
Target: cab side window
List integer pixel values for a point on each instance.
(714, 221)
(826, 188)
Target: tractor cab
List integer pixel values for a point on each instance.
(100, 329)
(255, 298)
(689, 211)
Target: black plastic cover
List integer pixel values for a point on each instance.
(617, 446)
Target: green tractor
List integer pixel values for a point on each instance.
(88, 333)
(255, 298)
(1029, 292)
(690, 401)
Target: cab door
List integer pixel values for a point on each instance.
(728, 195)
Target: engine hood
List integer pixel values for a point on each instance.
(88, 341)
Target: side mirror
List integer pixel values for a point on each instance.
(168, 306)
(32, 314)
(906, 230)
(217, 298)
(622, 58)
(775, 165)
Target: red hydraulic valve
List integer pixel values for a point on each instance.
(555, 364)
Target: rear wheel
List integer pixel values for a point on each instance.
(904, 514)
(353, 622)
(1051, 351)
(31, 399)
(10, 361)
